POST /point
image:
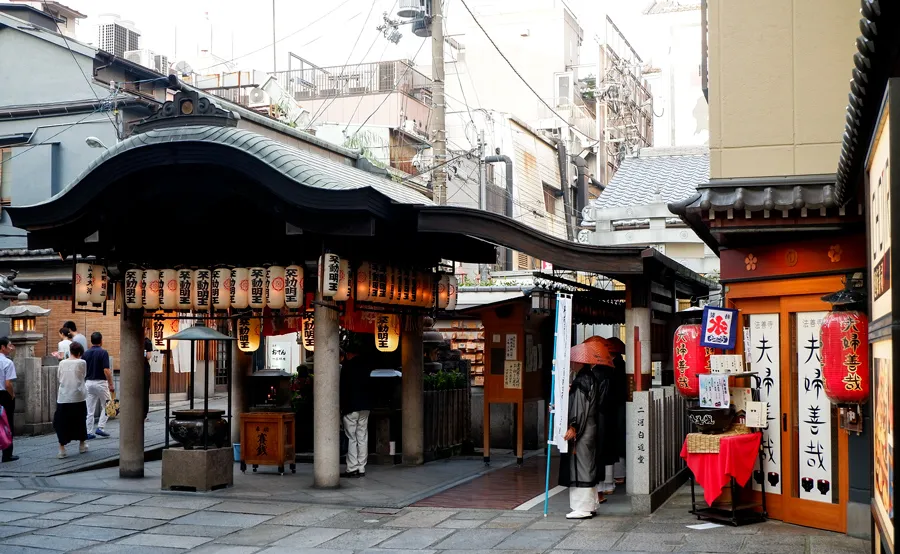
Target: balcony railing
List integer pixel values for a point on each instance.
(311, 83)
(576, 115)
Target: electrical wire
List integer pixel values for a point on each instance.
(270, 45)
(326, 103)
(432, 168)
(51, 137)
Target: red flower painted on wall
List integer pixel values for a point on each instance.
(750, 261)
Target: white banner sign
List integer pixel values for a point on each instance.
(815, 461)
(562, 343)
(765, 360)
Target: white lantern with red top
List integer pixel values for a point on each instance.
(100, 284)
(220, 288)
(275, 285)
(168, 293)
(185, 279)
(240, 288)
(452, 292)
(150, 286)
(343, 291)
(293, 287)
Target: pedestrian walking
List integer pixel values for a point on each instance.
(99, 384)
(355, 405)
(619, 393)
(578, 467)
(148, 353)
(76, 336)
(65, 339)
(7, 392)
(71, 407)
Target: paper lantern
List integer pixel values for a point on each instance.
(387, 332)
(364, 282)
(343, 292)
(220, 288)
(308, 331)
(240, 288)
(845, 357)
(426, 296)
(443, 292)
(452, 292)
(168, 292)
(200, 289)
(275, 287)
(185, 278)
(258, 290)
(100, 284)
(150, 286)
(293, 287)
(329, 274)
(132, 292)
(161, 329)
(691, 359)
(84, 282)
(248, 334)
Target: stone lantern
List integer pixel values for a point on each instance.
(36, 385)
(22, 329)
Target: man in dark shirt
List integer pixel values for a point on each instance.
(355, 405)
(99, 383)
(148, 352)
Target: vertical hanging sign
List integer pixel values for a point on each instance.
(766, 361)
(562, 342)
(814, 438)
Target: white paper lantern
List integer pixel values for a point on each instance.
(452, 292)
(343, 292)
(200, 289)
(258, 290)
(220, 288)
(275, 284)
(131, 292)
(100, 284)
(150, 289)
(185, 287)
(84, 277)
(248, 334)
(168, 292)
(443, 292)
(240, 288)
(293, 287)
(308, 331)
(387, 332)
(329, 274)
(162, 329)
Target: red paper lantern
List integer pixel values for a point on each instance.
(691, 359)
(845, 357)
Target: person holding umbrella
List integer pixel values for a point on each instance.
(578, 468)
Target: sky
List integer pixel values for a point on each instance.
(325, 32)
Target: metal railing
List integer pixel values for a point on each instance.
(669, 426)
(574, 114)
(311, 82)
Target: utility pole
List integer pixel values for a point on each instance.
(439, 174)
(482, 187)
(274, 45)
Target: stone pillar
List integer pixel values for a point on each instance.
(413, 416)
(131, 383)
(326, 398)
(241, 364)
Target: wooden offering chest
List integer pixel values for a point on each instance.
(267, 430)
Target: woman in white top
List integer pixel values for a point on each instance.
(71, 408)
(62, 349)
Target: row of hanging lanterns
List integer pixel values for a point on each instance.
(91, 283)
(222, 288)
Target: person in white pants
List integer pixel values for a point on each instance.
(99, 384)
(355, 404)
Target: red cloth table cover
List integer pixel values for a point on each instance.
(736, 458)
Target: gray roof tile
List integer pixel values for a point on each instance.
(675, 172)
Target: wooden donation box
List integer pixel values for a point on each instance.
(267, 430)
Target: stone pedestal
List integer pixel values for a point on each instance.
(36, 386)
(197, 470)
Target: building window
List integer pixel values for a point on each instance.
(5, 177)
(550, 200)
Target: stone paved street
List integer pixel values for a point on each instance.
(46, 520)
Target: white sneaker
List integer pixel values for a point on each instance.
(82, 449)
(61, 455)
(578, 515)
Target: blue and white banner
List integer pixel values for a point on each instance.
(719, 328)
(562, 343)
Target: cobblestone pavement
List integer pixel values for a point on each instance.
(42, 521)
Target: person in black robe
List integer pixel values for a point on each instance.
(607, 429)
(578, 467)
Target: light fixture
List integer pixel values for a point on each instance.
(94, 142)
